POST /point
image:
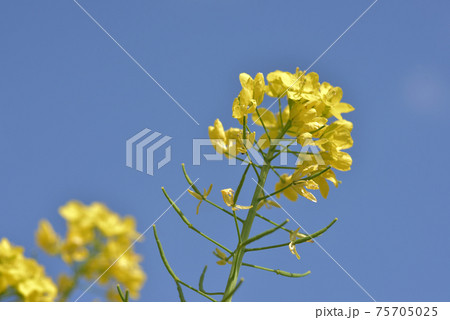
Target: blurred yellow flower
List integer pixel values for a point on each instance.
(24, 275)
(96, 237)
(47, 238)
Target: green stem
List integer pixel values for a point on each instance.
(277, 271)
(189, 224)
(174, 276)
(271, 222)
(239, 188)
(123, 297)
(200, 284)
(264, 126)
(228, 296)
(240, 251)
(180, 292)
(223, 209)
(195, 290)
(263, 234)
(231, 286)
(188, 179)
(235, 198)
(301, 240)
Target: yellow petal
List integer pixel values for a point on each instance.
(265, 116)
(198, 206)
(294, 250)
(208, 191)
(258, 88)
(221, 254)
(243, 207)
(228, 195)
(195, 194)
(323, 186)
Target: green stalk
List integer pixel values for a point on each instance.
(189, 224)
(239, 253)
(277, 271)
(172, 274)
(123, 297)
(240, 250)
(306, 238)
(265, 233)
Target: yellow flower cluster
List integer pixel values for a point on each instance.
(23, 276)
(312, 116)
(95, 238)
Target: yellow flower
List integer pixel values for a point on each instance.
(74, 248)
(96, 236)
(335, 138)
(305, 120)
(229, 142)
(251, 95)
(268, 204)
(200, 197)
(47, 239)
(72, 211)
(294, 184)
(329, 97)
(323, 184)
(222, 256)
(272, 123)
(37, 288)
(293, 237)
(279, 83)
(23, 274)
(65, 283)
(228, 198)
(112, 295)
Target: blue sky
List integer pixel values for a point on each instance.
(70, 98)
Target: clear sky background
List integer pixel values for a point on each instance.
(70, 98)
